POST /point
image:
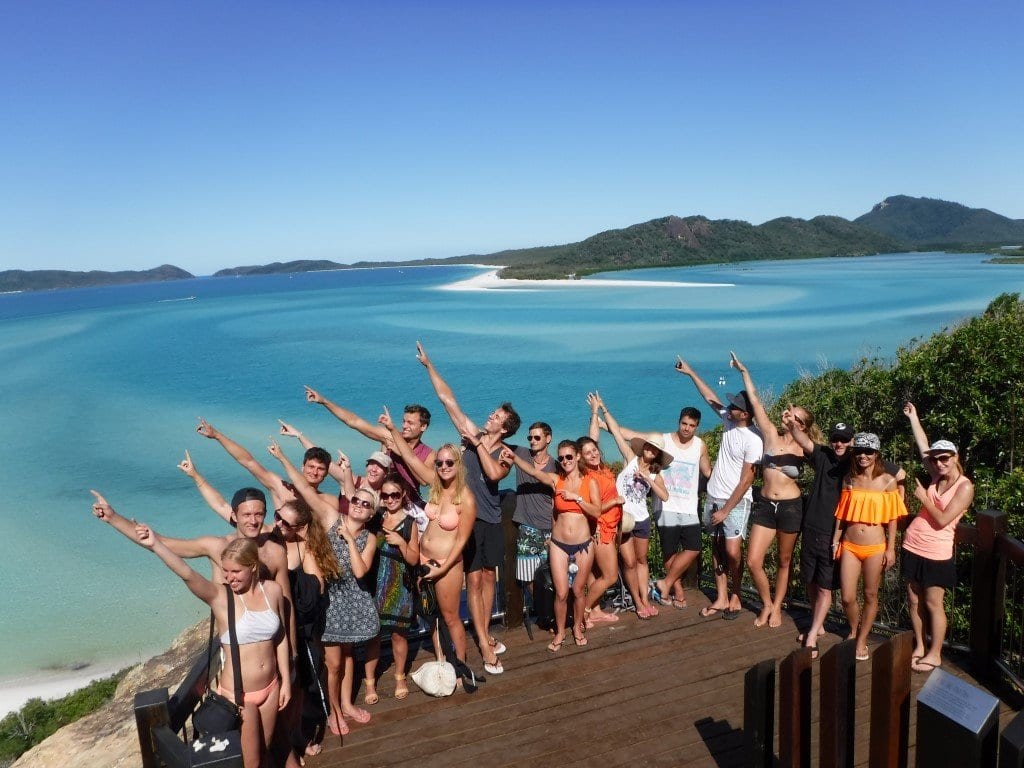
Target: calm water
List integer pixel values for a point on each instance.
(102, 388)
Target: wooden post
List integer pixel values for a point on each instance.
(150, 712)
(1011, 744)
(890, 702)
(838, 705)
(759, 714)
(795, 710)
(987, 593)
(510, 587)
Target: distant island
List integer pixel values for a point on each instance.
(895, 225)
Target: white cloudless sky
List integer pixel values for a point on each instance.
(215, 134)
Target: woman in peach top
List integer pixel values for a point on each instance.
(869, 506)
(928, 563)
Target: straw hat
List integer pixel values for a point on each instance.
(656, 441)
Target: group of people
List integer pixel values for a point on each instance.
(330, 572)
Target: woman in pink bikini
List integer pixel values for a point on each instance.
(259, 628)
(451, 513)
(928, 563)
(869, 506)
(576, 509)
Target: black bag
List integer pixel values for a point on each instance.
(426, 599)
(215, 713)
(544, 599)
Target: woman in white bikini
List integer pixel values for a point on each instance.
(259, 629)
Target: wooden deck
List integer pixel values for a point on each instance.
(664, 692)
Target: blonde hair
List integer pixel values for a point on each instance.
(459, 484)
(245, 552)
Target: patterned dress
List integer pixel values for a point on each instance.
(394, 600)
(351, 614)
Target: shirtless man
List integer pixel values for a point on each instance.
(315, 463)
(415, 421)
(485, 551)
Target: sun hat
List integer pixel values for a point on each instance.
(942, 446)
(867, 440)
(655, 441)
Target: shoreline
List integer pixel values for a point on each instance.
(54, 684)
(489, 281)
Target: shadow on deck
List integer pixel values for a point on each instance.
(663, 692)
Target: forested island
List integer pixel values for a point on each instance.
(895, 225)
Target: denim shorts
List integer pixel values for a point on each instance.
(735, 522)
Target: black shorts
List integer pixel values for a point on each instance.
(679, 537)
(929, 573)
(784, 515)
(817, 565)
(485, 548)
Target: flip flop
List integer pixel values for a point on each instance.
(314, 749)
(495, 668)
(498, 647)
(863, 656)
(930, 667)
(679, 604)
(337, 725)
(554, 647)
(814, 651)
(707, 611)
(732, 614)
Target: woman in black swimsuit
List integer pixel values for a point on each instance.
(778, 511)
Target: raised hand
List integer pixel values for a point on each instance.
(594, 400)
(206, 429)
(507, 456)
(343, 461)
(385, 419)
(187, 466)
(421, 355)
(144, 535)
(734, 362)
(682, 366)
(101, 508)
(312, 396)
(275, 449)
(909, 410)
(288, 430)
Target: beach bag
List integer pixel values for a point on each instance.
(435, 678)
(426, 599)
(217, 714)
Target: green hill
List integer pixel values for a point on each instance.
(282, 268)
(674, 241)
(45, 279)
(924, 222)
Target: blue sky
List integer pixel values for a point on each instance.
(213, 134)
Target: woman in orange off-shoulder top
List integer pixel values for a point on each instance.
(865, 534)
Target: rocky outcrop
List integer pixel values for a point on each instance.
(107, 738)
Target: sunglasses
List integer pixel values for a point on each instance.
(799, 421)
(282, 521)
(567, 457)
(355, 501)
(444, 463)
(391, 496)
(941, 459)
(863, 451)
(535, 438)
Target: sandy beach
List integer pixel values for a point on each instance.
(14, 692)
(489, 281)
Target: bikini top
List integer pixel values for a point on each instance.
(448, 520)
(254, 626)
(787, 463)
(562, 504)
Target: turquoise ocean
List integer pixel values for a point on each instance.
(102, 388)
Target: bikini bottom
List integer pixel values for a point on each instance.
(863, 551)
(249, 697)
(571, 550)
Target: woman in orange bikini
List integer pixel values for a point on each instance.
(574, 518)
(451, 512)
(259, 627)
(606, 556)
(928, 563)
(865, 534)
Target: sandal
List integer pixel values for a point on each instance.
(497, 646)
(358, 715)
(314, 749)
(337, 724)
(495, 668)
(370, 697)
(555, 645)
(401, 689)
(581, 638)
(680, 604)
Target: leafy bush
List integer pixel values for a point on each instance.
(38, 719)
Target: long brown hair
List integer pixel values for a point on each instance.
(317, 543)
